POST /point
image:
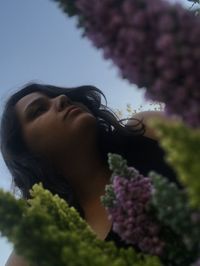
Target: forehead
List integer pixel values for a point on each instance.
(24, 101)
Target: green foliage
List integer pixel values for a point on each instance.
(171, 204)
(182, 146)
(119, 166)
(11, 211)
(171, 207)
(47, 231)
(109, 196)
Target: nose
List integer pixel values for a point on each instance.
(62, 101)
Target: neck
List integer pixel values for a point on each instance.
(87, 174)
(88, 179)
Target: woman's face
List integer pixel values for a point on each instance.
(47, 129)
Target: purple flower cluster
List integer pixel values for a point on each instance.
(155, 44)
(130, 218)
(197, 263)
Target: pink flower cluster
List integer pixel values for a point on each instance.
(155, 44)
(197, 263)
(130, 218)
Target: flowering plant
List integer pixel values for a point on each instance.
(152, 214)
(155, 44)
(47, 232)
(182, 147)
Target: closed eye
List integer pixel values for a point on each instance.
(38, 110)
(39, 107)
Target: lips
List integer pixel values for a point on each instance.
(69, 109)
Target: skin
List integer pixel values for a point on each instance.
(70, 146)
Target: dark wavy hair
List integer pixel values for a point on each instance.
(27, 169)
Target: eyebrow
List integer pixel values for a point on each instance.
(37, 100)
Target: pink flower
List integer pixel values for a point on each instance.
(155, 44)
(130, 218)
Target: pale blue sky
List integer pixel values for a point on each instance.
(39, 43)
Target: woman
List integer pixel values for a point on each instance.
(44, 138)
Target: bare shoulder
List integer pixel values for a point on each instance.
(145, 116)
(16, 260)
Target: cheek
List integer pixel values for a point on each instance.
(52, 137)
(44, 138)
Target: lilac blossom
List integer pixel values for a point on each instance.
(130, 218)
(155, 44)
(197, 263)
(151, 213)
